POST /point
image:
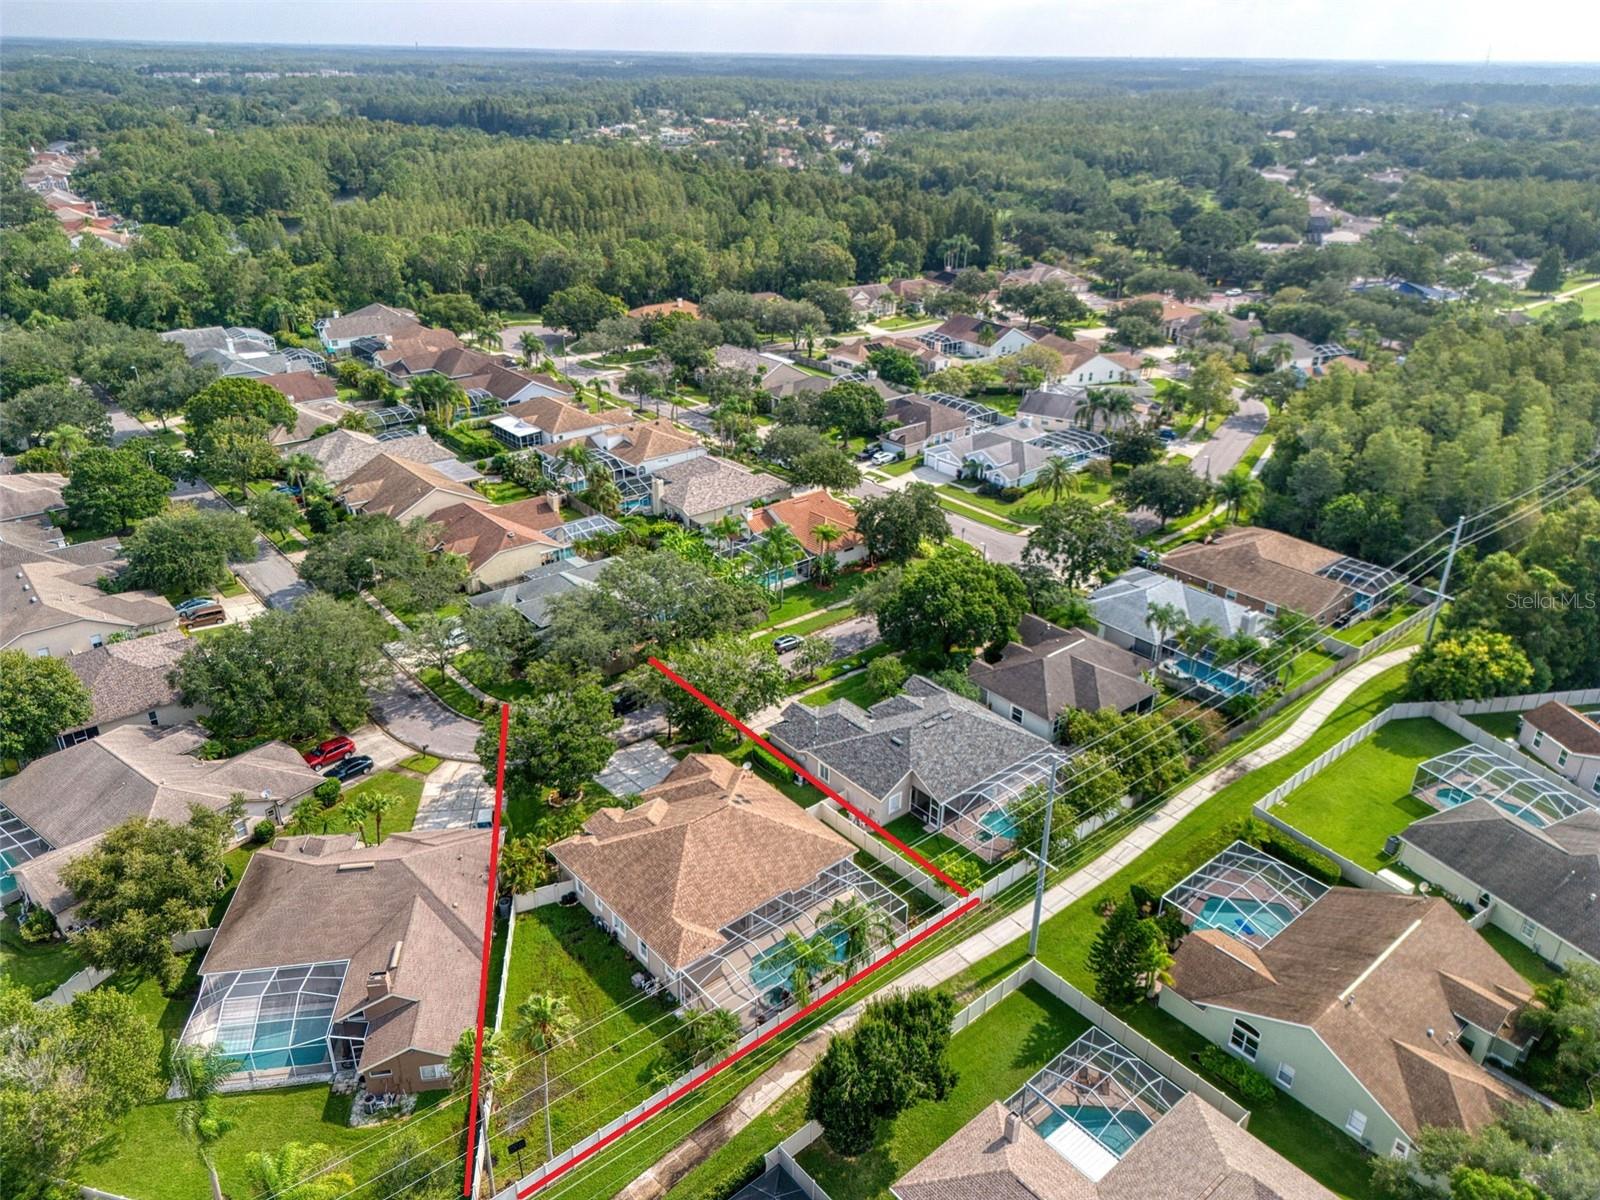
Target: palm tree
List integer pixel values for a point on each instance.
(1163, 618)
(497, 1064)
(602, 493)
(198, 1073)
(443, 412)
(863, 925)
(1279, 354)
(530, 344)
(374, 804)
(779, 551)
(713, 1034)
(1116, 407)
(67, 440)
(1057, 476)
(295, 1171)
(727, 529)
(827, 536)
(543, 1022)
(300, 468)
(307, 811)
(1239, 492)
(808, 958)
(356, 811)
(1196, 638)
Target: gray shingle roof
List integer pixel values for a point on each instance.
(948, 741)
(1124, 605)
(539, 586)
(1549, 875)
(130, 677)
(1052, 669)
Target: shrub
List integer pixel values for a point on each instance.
(327, 792)
(264, 831)
(887, 675)
(1250, 1083)
(1012, 494)
(38, 926)
(956, 864)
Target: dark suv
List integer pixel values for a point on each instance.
(347, 769)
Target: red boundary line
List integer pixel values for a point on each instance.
(679, 1092)
(488, 941)
(727, 716)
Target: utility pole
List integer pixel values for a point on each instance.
(1444, 582)
(1044, 863)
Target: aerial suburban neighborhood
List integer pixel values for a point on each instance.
(776, 623)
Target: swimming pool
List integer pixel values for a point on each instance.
(1218, 679)
(773, 968)
(1247, 918)
(997, 823)
(1452, 796)
(1116, 1133)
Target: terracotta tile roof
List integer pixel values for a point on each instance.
(1372, 973)
(705, 846)
(125, 678)
(802, 514)
(393, 486)
(302, 386)
(479, 530)
(1575, 732)
(417, 897)
(665, 307)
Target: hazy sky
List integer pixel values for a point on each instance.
(1427, 30)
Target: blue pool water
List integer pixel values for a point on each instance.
(773, 967)
(1116, 1135)
(998, 823)
(1452, 796)
(1247, 918)
(8, 885)
(1218, 679)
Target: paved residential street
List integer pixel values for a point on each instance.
(411, 713)
(996, 544)
(1215, 458)
(272, 577)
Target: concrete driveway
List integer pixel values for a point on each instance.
(1215, 458)
(455, 796)
(413, 715)
(272, 577)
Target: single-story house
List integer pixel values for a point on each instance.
(400, 488)
(648, 445)
(1102, 368)
(498, 548)
(68, 799)
(52, 605)
(242, 351)
(917, 422)
(1050, 669)
(705, 875)
(1086, 1133)
(305, 387)
(914, 292)
(665, 307)
(543, 420)
(387, 325)
(701, 491)
(1541, 885)
(1121, 608)
(915, 752)
(337, 959)
(1565, 740)
(1301, 353)
(472, 370)
(30, 494)
(1375, 1010)
(128, 685)
(234, 340)
(727, 357)
(345, 451)
(1044, 273)
(1061, 406)
(1214, 326)
(1267, 570)
(804, 514)
(871, 299)
(1173, 312)
(532, 596)
(787, 379)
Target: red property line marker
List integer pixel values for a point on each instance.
(683, 1090)
(488, 940)
(727, 716)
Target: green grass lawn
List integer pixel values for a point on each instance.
(953, 505)
(1307, 664)
(1502, 725)
(38, 969)
(1028, 510)
(903, 466)
(775, 773)
(398, 819)
(471, 664)
(854, 688)
(422, 764)
(1258, 447)
(1523, 960)
(611, 1061)
(820, 619)
(503, 492)
(452, 693)
(1364, 797)
(144, 1156)
(839, 667)
(233, 587)
(1362, 632)
(993, 1057)
(900, 322)
(802, 598)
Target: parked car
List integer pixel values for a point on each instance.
(347, 769)
(866, 454)
(786, 642)
(1168, 434)
(206, 615)
(625, 701)
(1234, 292)
(883, 458)
(193, 604)
(330, 752)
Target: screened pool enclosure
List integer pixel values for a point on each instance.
(1245, 893)
(1475, 773)
(276, 1023)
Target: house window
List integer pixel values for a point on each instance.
(42, 652)
(1561, 759)
(1285, 1076)
(96, 641)
(823, 773)
(1528, 928)
(1272, 610)
(1016, 714)
(577, 886)
(1231, 594)
(892, 803)
(1356, 1122)
(1246, 1039)
(1596, 788)
(155, 717)
(433, 1071)
(77, 736)
(1538, 738)
(1402, 1148)
(644, 951)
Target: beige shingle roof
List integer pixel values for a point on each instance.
(46, 594)
(1263, 564)
(22, 495)
(393, 486)
(707, 845)
(640, 441)
(417, 895)
(373, 320)
(1572, 729)
(559, 419)
(1372, 973)
(130, 677)
(478, 531)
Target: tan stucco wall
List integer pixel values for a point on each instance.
(74, 637)
(509, 565)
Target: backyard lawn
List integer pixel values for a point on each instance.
(503, 492)
(1362, 632)
(993, 1057)
(1364, 797)
(38, 969)
(145, 1157)
(1307, 664)
(612, 1060)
